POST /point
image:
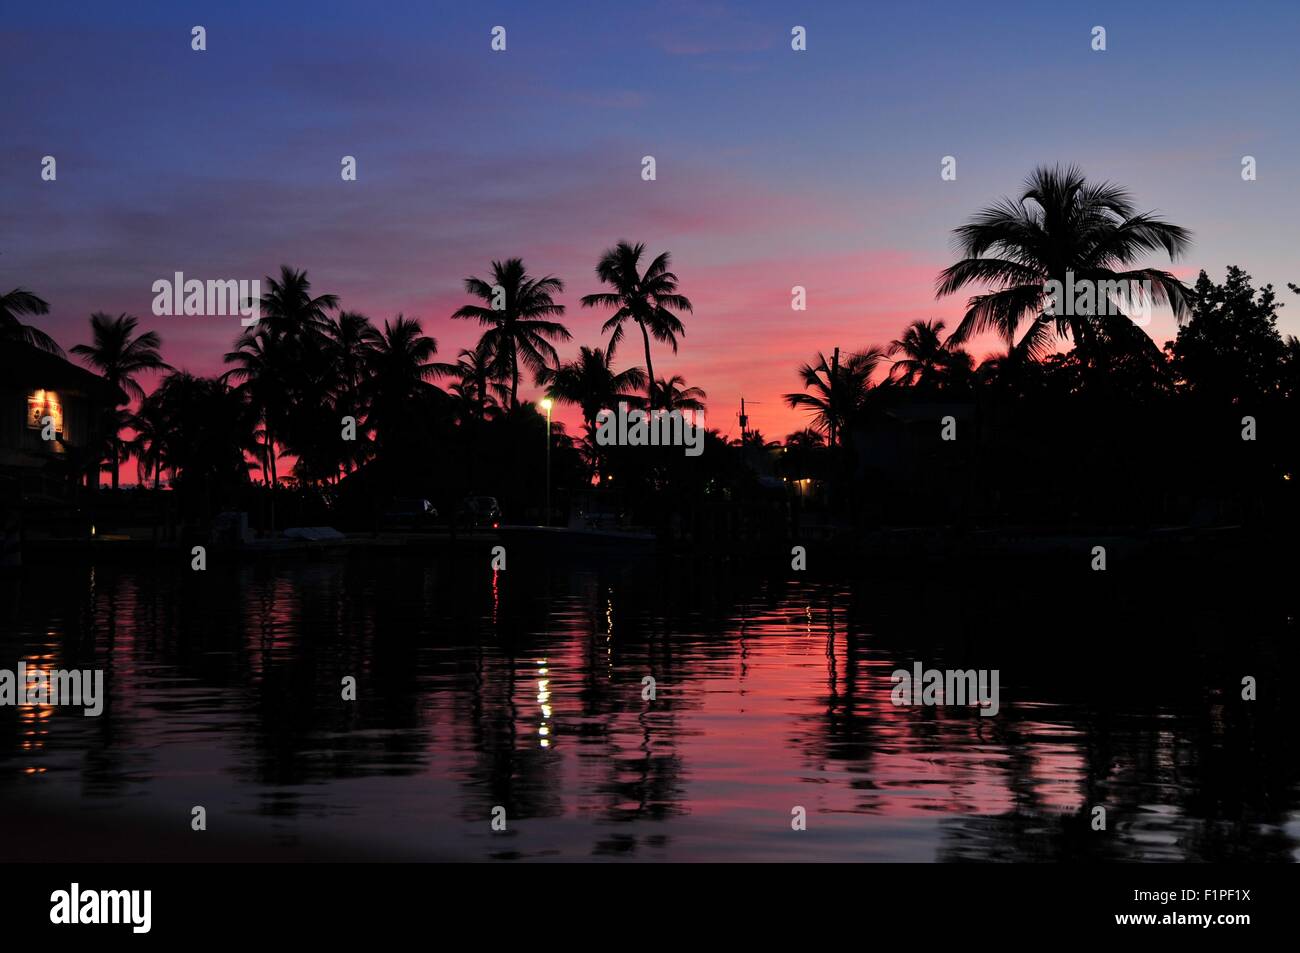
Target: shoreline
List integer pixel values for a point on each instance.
(1169, 553)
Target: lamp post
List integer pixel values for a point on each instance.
(546, 406)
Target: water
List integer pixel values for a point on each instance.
(523, 689)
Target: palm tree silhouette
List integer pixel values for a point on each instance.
(838, 394)
(276, 356)
(400, 379)
(257, 376)
(202, 431)
(804, 441)
(755, 439)
(590, 383)
(148, 445)
(289, 311)
(351, 342)
(802, 449)
(518, 330)
(119, 358)
(649, 299)
(20, 302)
(673, 394)
(1061, 224)
(351, 339)
(474, 385)
(927, 358)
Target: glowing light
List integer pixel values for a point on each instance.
(42, 404)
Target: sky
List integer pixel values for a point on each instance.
(775, 168)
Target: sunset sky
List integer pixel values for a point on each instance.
(775, 168)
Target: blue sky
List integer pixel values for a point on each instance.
(775, 168)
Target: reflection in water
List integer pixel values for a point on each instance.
(524, 689)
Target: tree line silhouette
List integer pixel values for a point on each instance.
(1081, 416)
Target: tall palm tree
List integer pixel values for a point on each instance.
(351, 341)
(149, 444)
(120, 356)
(257, 375)
(839, 393)
(1061, 224)
(649, 298)
(295, 326)
(113, 451)
(673, 394)
(279, 359)
(401, 377)
(289, 310)
(520, 330)
(16, 304)
(590, 383)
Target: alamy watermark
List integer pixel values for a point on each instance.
(38, 686)
(922, 686)
(98, 907)
(657, 428)
(212, 298)
(1087, 297)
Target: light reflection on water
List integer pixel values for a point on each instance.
(524, 690)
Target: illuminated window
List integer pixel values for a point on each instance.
(42, 404)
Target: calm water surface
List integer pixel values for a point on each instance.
(524, 689)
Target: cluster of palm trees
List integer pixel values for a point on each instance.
(1061, 228)
(839, 391)
(121, 356)
(519, 313)
(332, 389)
(307, 366)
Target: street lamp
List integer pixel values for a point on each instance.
(546, 406)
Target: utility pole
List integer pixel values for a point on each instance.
(744, 420)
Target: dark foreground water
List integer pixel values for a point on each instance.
(524, 689)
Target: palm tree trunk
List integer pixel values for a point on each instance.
(155, 500)
(275, 478)
(649, 368)
(514, 379)
(170, 523)
(589, 423)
